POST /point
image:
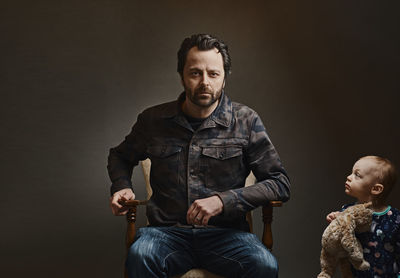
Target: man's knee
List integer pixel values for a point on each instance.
(147, 244)
(143, 255)
(262, 264)
(142, 250)
(270, 265)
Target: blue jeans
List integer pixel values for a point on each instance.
(168, 251)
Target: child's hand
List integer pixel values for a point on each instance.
(332, 216)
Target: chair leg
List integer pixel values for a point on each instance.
(131, 227)
(130, 232)
(267, 212)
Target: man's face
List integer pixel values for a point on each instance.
(363, 176)
(203, 77)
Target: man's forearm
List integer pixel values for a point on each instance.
(119, 170)
(248, 198)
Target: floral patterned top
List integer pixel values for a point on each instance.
(381, 245)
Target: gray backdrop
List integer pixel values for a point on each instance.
(74, 75)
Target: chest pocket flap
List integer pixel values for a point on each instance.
(222, 152)
(163, 151)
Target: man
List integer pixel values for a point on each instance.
(202, 148)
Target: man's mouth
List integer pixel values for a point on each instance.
(203, 92)
(347, 186)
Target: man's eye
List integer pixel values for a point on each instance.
(195, 73)
(214, 74)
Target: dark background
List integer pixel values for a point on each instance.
(323, 75)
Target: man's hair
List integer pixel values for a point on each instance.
(387, 175)
(203, 42)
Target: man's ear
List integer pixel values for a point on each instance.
(377, 189)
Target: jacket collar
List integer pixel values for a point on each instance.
(223, 113)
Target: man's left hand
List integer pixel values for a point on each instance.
(203, 209)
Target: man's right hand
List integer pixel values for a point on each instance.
(118, 197)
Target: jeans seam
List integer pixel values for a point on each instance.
(166, 257)
(226, 258)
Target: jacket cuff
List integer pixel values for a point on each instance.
(119, 184)
(229, 199)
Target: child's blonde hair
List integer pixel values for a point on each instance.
(387, 175)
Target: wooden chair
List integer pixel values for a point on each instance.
(196, 273)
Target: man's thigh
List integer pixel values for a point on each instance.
(160, 252)
(233, 253)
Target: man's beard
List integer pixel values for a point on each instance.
(197, 97)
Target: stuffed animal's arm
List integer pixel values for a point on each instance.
(350, 243)
(332, 216)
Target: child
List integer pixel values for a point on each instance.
(372, 179)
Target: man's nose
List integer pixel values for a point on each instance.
(205, 80)
(348, 177)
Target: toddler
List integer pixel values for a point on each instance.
(371, 180)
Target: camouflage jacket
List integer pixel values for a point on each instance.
(213, 160)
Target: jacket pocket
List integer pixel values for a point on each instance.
(223, 152)
(223, 166)
(165, 166)
(163, 151)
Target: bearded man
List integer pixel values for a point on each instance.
(202, 147)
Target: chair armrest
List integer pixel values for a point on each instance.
(132, 203)
(276, 203)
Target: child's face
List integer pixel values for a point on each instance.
(363, 176)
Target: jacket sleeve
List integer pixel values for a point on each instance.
(127, 155)
(272, 180)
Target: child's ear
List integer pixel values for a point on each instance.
(377, 189)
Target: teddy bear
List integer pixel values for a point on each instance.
(339, 243)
